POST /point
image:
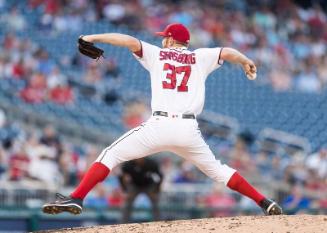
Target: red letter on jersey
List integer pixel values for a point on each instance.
(172, 76)
(187, 72)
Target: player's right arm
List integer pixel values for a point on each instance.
(236, 57)
(144, 52)
(115, 39)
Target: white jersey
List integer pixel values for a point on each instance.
(178, 87)
(178, 76)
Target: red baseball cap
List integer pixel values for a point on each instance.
(177, 31)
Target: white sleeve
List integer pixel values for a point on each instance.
(147, 55)
(209, 59)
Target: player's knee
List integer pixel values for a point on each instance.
(220, 173)
(109, 159)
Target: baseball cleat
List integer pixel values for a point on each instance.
(63, 204)
(270, 207)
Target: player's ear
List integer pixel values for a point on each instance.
(171, 41)
(165, 42)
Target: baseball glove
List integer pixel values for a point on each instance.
(88, 49)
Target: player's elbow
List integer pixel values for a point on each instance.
(133, 44)
(233, 56)
(228, 54)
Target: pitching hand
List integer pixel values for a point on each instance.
(250, 69)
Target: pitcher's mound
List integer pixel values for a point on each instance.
(244, 224)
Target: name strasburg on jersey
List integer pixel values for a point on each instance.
(182, 58)
(178, 76)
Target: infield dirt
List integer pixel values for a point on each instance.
(244, 224)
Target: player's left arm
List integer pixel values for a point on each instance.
(236, 57)
(116, 39)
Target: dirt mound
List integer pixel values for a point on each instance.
(246, 224)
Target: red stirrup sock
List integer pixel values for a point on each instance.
(239, 184)
(96, 173)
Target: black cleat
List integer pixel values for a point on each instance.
(270, 207)
(63, 204)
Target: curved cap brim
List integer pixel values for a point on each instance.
(160, 34)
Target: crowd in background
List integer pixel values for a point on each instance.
(296, 36)
(42, 79)
(22, 59)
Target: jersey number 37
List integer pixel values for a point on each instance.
(172, 72)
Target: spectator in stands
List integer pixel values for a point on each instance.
(307, 80)
(93, 74)
(112, 69)
(135, 113)
(98, 198)
(240, 156)
(50, 6)
(296, 202)
(316, 19)
(43, 166)
(15, 20)
(141, 176)
(18, 70)
(288, 176)
(281, 79)
(220, 203)
(78, 61)
(3, 118)
(114, 12)
(263, 163)
(318, 162)
(110, 97)
(68, 166)
(3, 66)
(46, 23)
(36, 91)
(116, 198)
(60, 22)
(300, 173)
(277, 168)
(315, 183)
(9, 131)
(50, 137)
(322, 68)
(3, 162)
(45, 63)
(168, 167)
(55, 78)
(185, 174)
(322, 202)
(91, 154)
(61, 94)
(10, 41)
(18, 165)
(112, 82)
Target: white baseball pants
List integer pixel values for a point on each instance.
(160, 133)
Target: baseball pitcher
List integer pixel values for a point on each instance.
(178, 78)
